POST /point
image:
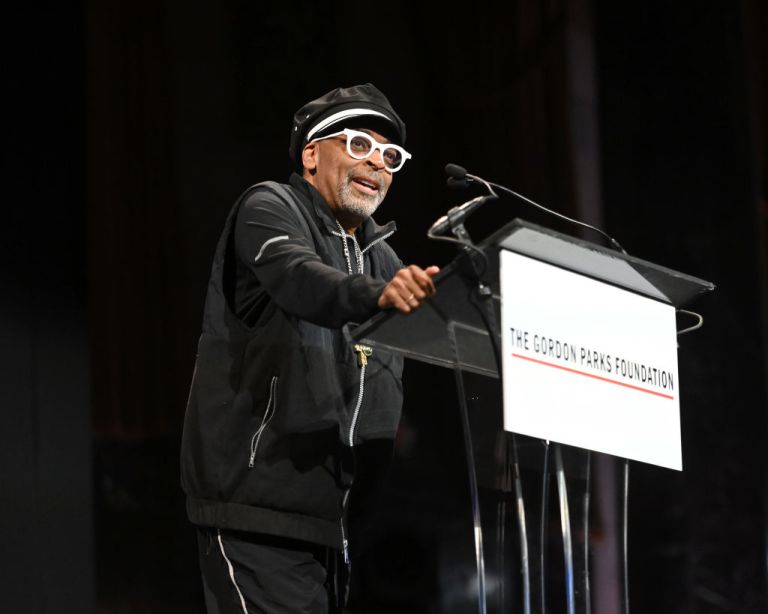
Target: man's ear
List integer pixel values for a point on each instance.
(309, 157)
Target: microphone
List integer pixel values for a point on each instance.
(457, 215)
(455, 171)
(459, 178)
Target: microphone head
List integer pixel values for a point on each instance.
(458, 184)
(455, 171)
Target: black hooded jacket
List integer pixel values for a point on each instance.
(280, 394)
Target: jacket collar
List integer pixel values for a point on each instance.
(369, 230)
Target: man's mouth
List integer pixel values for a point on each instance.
(367, 186)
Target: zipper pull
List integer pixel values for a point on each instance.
(344, 540)
(363, 352)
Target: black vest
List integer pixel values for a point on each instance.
(266, 441)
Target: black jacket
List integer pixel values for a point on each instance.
(280, 396)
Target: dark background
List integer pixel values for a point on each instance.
(130, 128)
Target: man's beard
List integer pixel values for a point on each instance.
(354, 201)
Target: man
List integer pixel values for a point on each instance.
(287, 416)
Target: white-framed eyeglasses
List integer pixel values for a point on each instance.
(361, 145)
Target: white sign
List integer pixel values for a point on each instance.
(588, 364)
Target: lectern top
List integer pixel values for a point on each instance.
(598, 262)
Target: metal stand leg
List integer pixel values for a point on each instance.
(624, 534)
(565, 526)
(543, 528)
(473, 489)
(504, 486)
(585, 520)
(526, 569)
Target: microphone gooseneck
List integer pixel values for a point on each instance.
(458, 177)
(614, 243)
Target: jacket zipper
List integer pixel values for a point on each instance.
(378, 240)
(363, 352)
(268, 415)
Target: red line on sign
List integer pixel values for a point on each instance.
(603, 379)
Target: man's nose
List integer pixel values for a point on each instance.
(376, 159)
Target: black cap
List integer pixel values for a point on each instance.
(363, 105)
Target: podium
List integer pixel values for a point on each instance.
(581, 370)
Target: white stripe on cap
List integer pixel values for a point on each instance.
(341, 115)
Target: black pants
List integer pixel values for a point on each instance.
(251, 573)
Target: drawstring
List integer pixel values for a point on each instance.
(358, 252)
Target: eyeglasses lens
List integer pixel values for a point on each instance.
(361, 146)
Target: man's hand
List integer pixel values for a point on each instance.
(409, 288)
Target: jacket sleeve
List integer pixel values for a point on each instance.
(271, 243)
